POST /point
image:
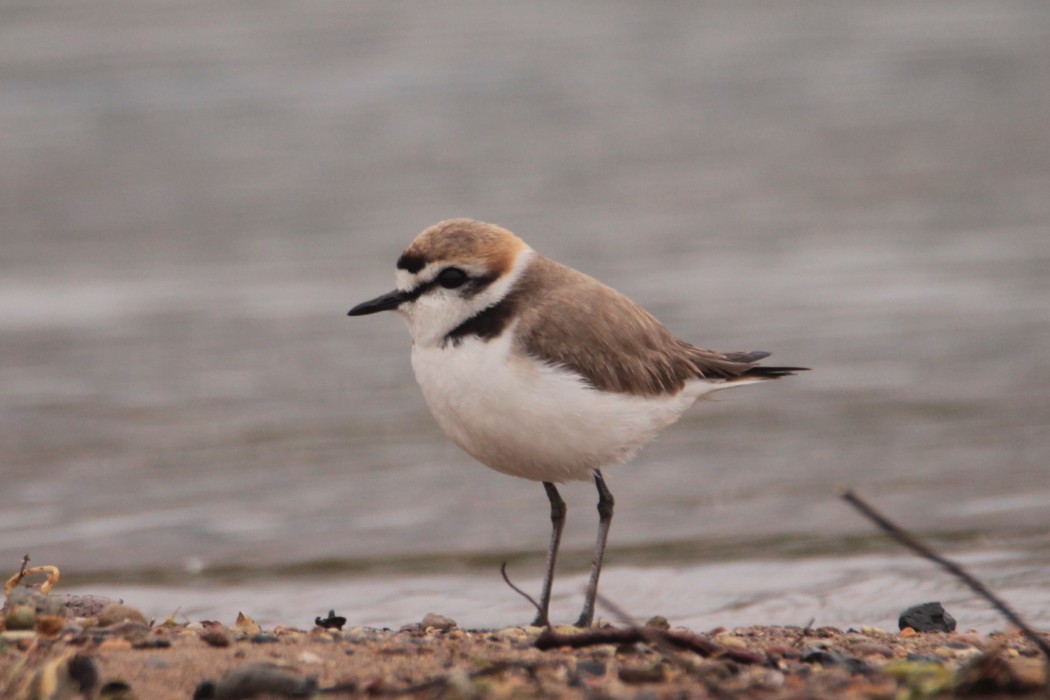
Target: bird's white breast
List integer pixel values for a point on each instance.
(528, 419)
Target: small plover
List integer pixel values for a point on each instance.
(542, 372)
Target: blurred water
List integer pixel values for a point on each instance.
(192, 195)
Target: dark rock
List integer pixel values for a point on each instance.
(116, 690)
(928, 617)
(263, 638)
(333, 621)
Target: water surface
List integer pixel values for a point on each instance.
(193, 195)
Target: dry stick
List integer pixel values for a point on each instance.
(909, 541)
(523, 594)
(549, 639)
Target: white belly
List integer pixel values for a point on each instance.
(538, 422)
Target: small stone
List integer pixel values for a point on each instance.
(20, 617)
(658, 622)
(727, 639)
(439, 622)
(645, 674)
(835, 659)
(928, 617)
(872, 649)
(50, 625)
(84, 605)
(216, 637)
(118, 612)
(263, 638)
(116, 690)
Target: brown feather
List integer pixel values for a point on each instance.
(572, 318)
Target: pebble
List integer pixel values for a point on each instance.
(20, 617)
(645, 674)
(727, 639)
(439, 622)
(216, 637)
(116, 690)
(84, 605)
(118, 612)
(872, 649)
(263, 638)
(658, 622)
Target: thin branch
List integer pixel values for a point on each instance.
(681, 639)
(912, 543)
(523, 594)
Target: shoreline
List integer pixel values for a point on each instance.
(172, 658)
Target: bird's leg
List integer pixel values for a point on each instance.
(558, 511)
(605, 513)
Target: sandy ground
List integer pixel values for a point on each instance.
(133, 658)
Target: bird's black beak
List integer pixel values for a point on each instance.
(387, 302)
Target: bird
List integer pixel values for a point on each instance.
(542, 372)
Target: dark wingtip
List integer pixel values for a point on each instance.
(773, 372)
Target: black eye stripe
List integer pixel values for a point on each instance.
(470, 287)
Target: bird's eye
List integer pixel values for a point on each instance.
(451, 277)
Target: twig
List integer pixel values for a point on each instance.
(912, 543)
(52, 576)
(805, 631)
(523, 594)
(681, 639)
